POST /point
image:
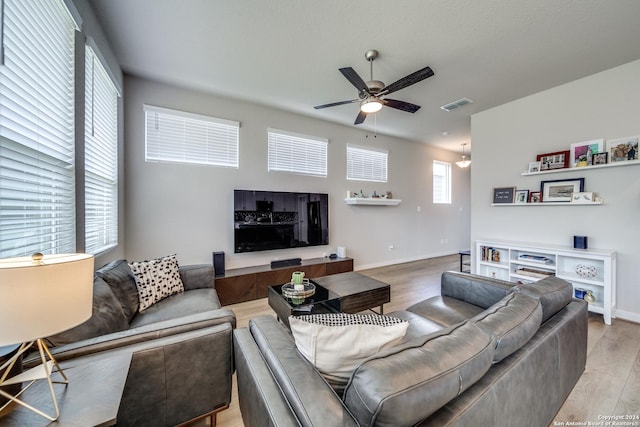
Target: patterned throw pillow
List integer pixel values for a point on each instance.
(156, 279)
(338, 343)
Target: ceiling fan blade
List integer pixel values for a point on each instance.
(355, 79)
(333, 104)
(407, 81)
(401, 105)
(360, 118)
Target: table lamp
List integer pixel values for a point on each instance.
(41, 295)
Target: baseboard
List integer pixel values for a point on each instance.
(402, 261)
(627, 315)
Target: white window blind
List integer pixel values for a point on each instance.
(295, 153)
(181, 137)
(366, 164)
(101, 157)
(441, 182)
(37, 199)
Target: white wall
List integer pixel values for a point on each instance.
(505, 138)
(188, 210)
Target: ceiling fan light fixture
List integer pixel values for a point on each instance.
(371, 106)
(464, 163)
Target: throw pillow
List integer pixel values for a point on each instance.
(156, 279)
(338, 343)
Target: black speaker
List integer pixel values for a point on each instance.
(218, 264)
(580, 242)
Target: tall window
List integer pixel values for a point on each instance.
(37, 199)
(367, 164)
(295, 153)
(441, 182)
(101, 157)
(181, 137)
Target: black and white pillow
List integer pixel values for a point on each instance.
(156, 279)
(338, 343)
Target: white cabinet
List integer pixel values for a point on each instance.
(588, 270)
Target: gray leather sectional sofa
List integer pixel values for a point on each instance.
(181, 347)
(483, 353)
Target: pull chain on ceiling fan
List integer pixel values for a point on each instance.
(372, 94)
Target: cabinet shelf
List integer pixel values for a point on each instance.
(562, 261)
(372, 201)
(606, 165)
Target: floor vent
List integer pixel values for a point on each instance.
(456, 104)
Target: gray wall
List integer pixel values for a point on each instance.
(187, 209)
(506, 138)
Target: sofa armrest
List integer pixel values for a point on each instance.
(141, 334)
(474, 289)
(197, 276)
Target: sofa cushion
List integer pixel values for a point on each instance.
(554, 294)
(445, 310)
(120, 279)
(512, 322)
(403, 385)
(418, 326)
(180, 305)
(337, 343)
(156, 279)
(107, 317)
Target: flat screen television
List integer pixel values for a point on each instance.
(267, 220)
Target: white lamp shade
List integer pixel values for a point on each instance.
(38, 300)
(371, 106)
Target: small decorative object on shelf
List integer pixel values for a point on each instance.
(557, 160)
(589, 297)
(588, 271)
(579, 293)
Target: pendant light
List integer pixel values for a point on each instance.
(464, 163)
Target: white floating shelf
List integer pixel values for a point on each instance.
(372, 201)
(583, 168)
(547, 204)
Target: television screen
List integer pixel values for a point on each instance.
(266, 220)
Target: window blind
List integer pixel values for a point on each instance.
(366, 164)
(37, 200)
(441, 182)
(101, 157)
(181, 137)
(295, 153)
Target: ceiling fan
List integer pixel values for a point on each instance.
(372, 94)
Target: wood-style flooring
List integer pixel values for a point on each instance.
(610, 385)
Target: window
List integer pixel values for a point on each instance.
(441, 182)
(37, 197)
(302, 154)
(180, 137)
(366, 164)
(101, 157)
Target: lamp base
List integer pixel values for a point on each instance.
(45, 370)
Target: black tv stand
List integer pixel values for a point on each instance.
(286, 262)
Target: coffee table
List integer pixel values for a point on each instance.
(338, 293)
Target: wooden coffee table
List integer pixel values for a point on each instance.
(345, 292)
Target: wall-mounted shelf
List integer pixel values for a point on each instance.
(372, 201)
(547, 204)
(607, 165)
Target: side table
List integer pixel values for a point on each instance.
(467, 263)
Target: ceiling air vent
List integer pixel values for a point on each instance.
(456, 104)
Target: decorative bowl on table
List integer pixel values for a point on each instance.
(298, 292)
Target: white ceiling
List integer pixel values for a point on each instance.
(286, 53)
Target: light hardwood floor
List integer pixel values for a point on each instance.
(609, 386)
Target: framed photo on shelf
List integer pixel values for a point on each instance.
(522, 196)
(557, 160)
(534, 167)
(504, 194)
(623, 149)
(560, 190)
(535, 197)
(581, 152)
(583, 198)
(599, 158)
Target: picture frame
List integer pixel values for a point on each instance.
(522, 196)
(599, 158)
(534, 167)
(556, 160)
(560, 190)
(535, 197)
(623, 149)
(582, 198)
(581, 152)
(504, 194)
